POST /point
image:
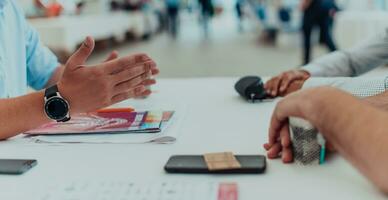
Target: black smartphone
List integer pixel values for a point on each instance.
(16, 166)
(195, 164)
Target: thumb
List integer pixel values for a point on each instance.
(82, 54)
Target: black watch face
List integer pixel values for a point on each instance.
(56, 108)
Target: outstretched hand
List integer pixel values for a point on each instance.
(88, 88)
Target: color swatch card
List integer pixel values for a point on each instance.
(107, 122)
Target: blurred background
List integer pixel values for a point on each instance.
(202, 38)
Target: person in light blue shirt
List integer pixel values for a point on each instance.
(25, 62)
(172, 7)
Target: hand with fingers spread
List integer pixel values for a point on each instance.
(286, 83)
(88, 88)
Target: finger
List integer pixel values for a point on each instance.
(113, 55)
(305, 74)
(131, 73)
(274, 128)
(128, 85)
(127, 62)
(146, 93)
(155, 71)
(136, 92)
(149, 82)
(268, 86)
(285, 135)
(293, 87)
(287, 155)
(285, 82)
(274, 151)
(275, 87)
(267, 146)
(82, 54)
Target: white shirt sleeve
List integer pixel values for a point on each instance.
(360, 87)
(352, 62)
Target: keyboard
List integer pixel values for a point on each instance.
(124, 190)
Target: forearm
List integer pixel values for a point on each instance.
(379, 101)
(358, 131)
(20, 114)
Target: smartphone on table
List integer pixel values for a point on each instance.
(16, 166)
(195, 164)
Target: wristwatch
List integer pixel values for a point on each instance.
(55, 106)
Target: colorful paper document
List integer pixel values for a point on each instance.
(107, 123)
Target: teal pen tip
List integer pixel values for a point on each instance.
(322, 156)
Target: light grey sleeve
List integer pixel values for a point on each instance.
(352, 62)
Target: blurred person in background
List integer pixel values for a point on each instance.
(332, 7)
(159, 7)
(260, 9)
(207, 12)
(240, 14)
(71, 7)
(316, 13)
(132, 5)
(115, 5)
(41, 8)
(269, 29)
(51, 8)
(284, 14)
(172, 7)
(147, 10)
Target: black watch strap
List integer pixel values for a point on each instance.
(51, 91)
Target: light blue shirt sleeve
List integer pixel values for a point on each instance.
(41, 62)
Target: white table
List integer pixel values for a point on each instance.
(216, 120)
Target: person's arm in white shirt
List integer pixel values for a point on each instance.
(352, 62)
(347, 63)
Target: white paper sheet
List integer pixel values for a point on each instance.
(127, 190)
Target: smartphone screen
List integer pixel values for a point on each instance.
(250, 164)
